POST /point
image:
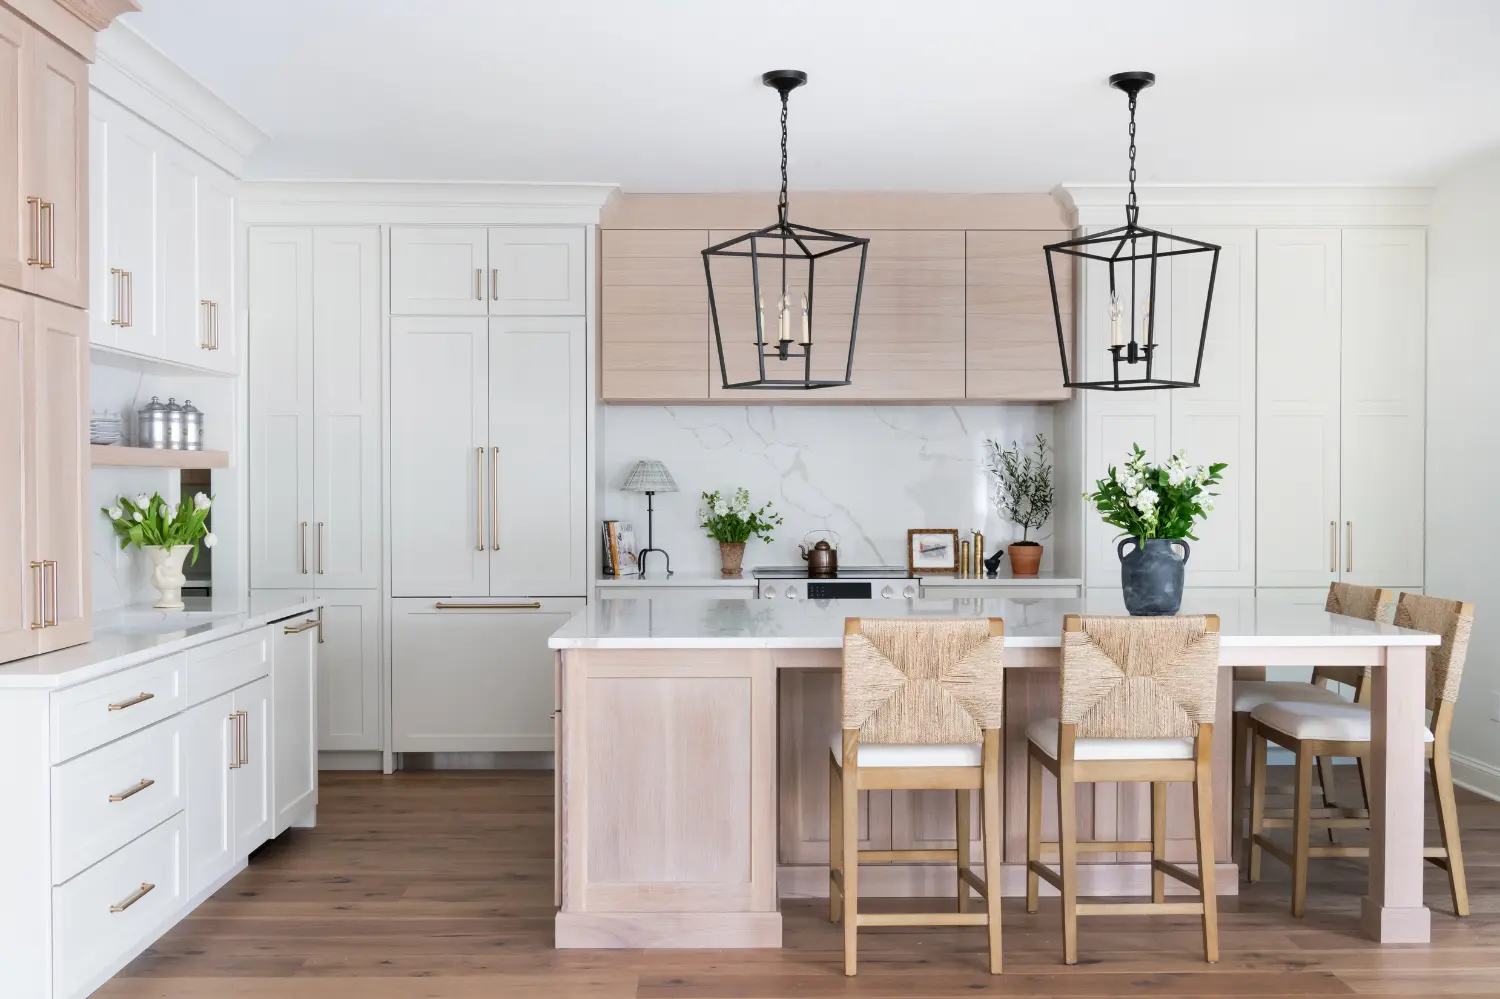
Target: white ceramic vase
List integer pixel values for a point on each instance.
(166, 574)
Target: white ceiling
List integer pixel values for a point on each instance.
(941, 95)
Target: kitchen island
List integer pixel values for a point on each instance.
(693, 742)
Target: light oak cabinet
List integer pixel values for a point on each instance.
(1011, 343)
(655, 342)
(499, 271)
(315, 408)
(45, 574)
(43, 164)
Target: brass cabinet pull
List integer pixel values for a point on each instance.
(479, 283)
(48, 563)
(122, 705)
(236, 762)
(303, 556)
(479, 499)
(320, 626)
(135, 896)
(118, 305)
(244, 738)
(495, 283)
(300, 627)
(1333, 546)
(446, 605)
(213, 308)
(1348, 546)
(49, 209)
(319, 547)
(205, 313)
(145, 783)
(495, 498)
(40, 621)
(34, 258)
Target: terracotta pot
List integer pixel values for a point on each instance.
(1025, 560)
(733, 555)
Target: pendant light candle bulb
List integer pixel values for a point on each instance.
(784, 320)
(762, 315)
(1146, 322)
(1116, 321)
(806, 322)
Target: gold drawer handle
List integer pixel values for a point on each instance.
(35, 258)
(145, 783)
(300, 627)
(135, 896)
(50, 210)
(122, 705)
(444, 605)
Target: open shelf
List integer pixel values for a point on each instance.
(145, 457)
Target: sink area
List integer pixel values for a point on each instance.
(155, 622)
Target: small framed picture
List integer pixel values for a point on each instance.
(932, 549)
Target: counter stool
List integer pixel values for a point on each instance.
(923, 707)
(1315, 729)
(1365, 602)
(1138, 702)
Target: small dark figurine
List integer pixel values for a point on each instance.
(992, 564)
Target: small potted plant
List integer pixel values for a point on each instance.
(1156, 507)
(1023, 494)
(731, 523)
(166, 534)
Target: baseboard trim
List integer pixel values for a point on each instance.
(937, 881)
(350, 759)
(1476, 775)
(476, 761)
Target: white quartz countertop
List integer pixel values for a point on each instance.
(659, 577)
(1002, 578)
(128, 636)
(706, 623)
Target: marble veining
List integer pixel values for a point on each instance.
(867, 472)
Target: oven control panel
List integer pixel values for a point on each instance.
(833, 589)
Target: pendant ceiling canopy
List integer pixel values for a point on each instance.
(783, 289)
(1132, 259)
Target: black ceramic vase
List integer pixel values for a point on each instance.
(1151, 575)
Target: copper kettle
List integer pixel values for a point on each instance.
(822, 558)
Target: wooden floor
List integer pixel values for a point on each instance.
(439, 886)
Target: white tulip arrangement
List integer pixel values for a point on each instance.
(149, 521)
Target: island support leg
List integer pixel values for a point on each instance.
(1393, 911)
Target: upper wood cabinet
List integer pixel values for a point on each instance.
(43, 164)
(654, 337)
(1011, 348)
(500, 271)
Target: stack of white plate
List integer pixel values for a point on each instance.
(106, 428)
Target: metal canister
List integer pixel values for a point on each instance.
(963, 558)
(192, 426)
(151, 425)
(976, 567)
(174, 425)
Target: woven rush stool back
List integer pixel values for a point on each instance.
(1454, 620)
(1368, 603)
(923, 681)
(1139, 677)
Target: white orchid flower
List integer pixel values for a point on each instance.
(210, 539)
(115, 513)
(201, 501)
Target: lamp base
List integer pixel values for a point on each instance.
(640, 560)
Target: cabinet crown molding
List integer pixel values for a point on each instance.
(136, 74)
(1249, 204)
(395, 202)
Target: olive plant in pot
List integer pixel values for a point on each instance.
(731, 523)
(1156, 508)
(1022, 481)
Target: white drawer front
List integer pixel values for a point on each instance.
(103, 710)
(101, 918)
(221, 666)
(104, 799)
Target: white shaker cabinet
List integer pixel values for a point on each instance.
(293, 755)
(499, 271)
(211, 744)
(536, 271)
(122, 177)
(439, 271)
(349, 670)
(474, 676)
(253, 778)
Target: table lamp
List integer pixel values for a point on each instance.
(650, 477)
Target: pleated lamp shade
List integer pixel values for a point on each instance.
(649, 477)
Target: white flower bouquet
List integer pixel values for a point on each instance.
(148, 522)
(731, 521)
(1156, 501)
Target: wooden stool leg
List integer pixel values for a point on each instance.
(961, 824)
(1257, 805)
(1158, 839)
(1033, 828)
(1327, 789)
(1067, 849)
(835, 840)
(1203, 829)
(1301, 830)
(1239, 783)
(849, 800)
(1441, 769)
(989, 805)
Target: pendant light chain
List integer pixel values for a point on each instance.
(781, 203)
(1132, 209)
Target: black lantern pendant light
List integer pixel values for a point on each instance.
(1130, 253)
(784, 263)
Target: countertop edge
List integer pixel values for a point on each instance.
(1048, 642)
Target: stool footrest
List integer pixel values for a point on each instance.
(922, 919)
(1140, 908)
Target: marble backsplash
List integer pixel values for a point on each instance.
(868, 472)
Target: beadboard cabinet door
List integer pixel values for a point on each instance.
(439, 271)
(346, 407)
(537, 271)
(281, 407)
(537, 467)
(1299, 334)
(439, 457)
(1382, 406)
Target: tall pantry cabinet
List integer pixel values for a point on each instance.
(489, 399)
(315, 452)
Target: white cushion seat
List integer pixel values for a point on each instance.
(1250, 694)
(1342, 722)
(1043, 733)
(890, 755)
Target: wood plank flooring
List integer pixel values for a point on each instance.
(439, 886)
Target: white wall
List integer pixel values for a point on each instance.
(868, 472)
(1463, 461)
